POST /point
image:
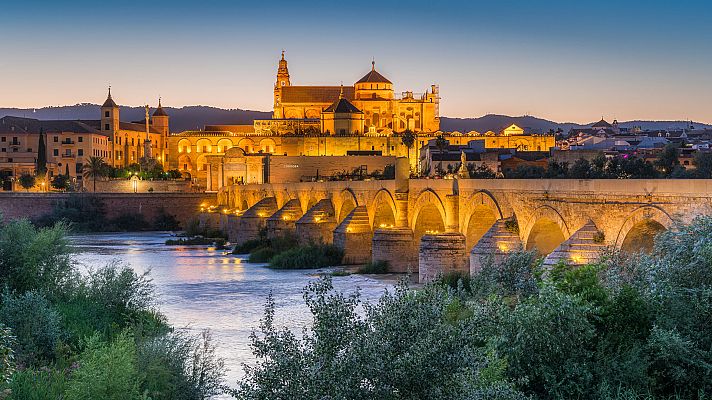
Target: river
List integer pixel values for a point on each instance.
(200, 287)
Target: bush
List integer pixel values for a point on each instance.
(85, 213)
(130, 222)
(165, 221)
(7, 354)
(513, 277)
(34, 259)
(38, 384)
(249, 246)
(261, 255)
(106, 371)
(377, 267)
(455, 280)
(179, 366)
(35, 324)
(309, 256)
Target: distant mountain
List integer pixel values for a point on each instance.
(196, 117)
(182, 119)
(496, 123)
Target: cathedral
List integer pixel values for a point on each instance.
(369, 106)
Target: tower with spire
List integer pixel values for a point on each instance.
(159, 120)
(109, 116)
(282, 80)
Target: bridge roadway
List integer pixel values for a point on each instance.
(430, 226)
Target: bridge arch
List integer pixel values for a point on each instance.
(480, 212)
(383, 212)
(545, 230)
(347, 201)
(640, 228)
(428, 214)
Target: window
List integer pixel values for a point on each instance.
(81, 139)
(56, 139)
(55, 152)
(106, 127)
(106, 114)
(4, 139)
(3, 150)
(9, 160)
(29, 149)
(80, 152)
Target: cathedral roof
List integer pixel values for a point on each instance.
(342, 105)
(314, 94)
(373, 76)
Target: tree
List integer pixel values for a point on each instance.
(581, 169)
(41, 167)
(27, 181)
(703, 162)
(61, 182)
(94, 167)
(408, 140)
(441, 143)
(668, 159)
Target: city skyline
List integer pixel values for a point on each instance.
(559, 61)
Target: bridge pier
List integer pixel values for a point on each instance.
(441, 254)
(583, 247)
(354, 236)
(255, 219)
(284, 220)
(318, 224)
(232, 226)
(397, 247)
(497, 242)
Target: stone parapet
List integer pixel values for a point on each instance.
(396, 247)
(441, 254)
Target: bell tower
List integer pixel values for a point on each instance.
(282, 81)
(109, 116)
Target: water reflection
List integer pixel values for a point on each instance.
(202, 287)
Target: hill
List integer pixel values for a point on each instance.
(195, 117)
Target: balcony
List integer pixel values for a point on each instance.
(67, 141)
(68, 155)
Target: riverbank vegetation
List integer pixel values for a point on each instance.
(65, 334)
(625, 327)
(87, 213)
(285, 252)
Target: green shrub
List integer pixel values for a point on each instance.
(38, 384)
(35, 324)
(375, 267)
(106, 371)
(165, 221)
(34, 259)
(454, 279)
(308, 256)
(178, 366)
(261, 255)
(250, 245)
(130, 222)
(513, 277)
(85, 213)
(7, 354)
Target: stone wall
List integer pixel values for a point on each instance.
(127, 186)
(183, 206)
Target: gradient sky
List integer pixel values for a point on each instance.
(561, 59)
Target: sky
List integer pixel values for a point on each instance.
(568, 61)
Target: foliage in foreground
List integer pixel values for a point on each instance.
(626, 327)
(66, 335)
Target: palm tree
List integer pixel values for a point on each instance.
(95, 167)
(408, 140)
(441, 143)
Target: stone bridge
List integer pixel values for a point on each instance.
(435, 226)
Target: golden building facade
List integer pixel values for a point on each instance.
(383, 110)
